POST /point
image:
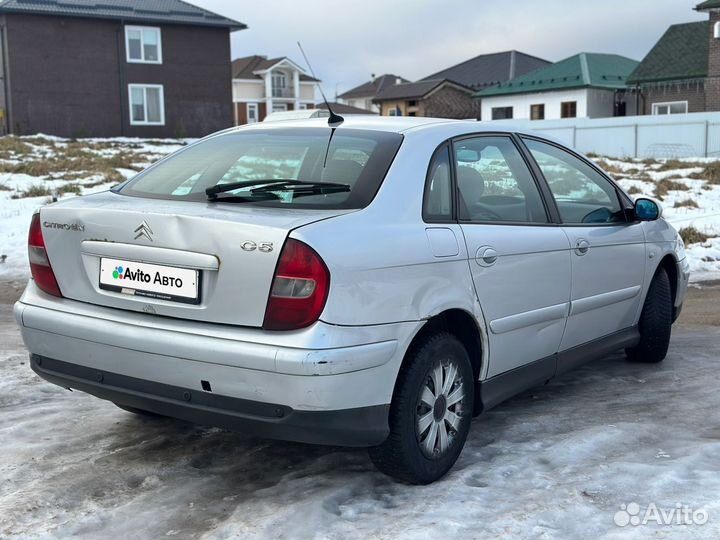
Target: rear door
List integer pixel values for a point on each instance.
(608, 251)
(519, 261)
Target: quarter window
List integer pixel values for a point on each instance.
(494, 183)
(147, 105)
(438, 192)
(143, 44)
(582, 194)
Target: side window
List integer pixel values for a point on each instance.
(494, 183)
(438, 191)
(581, 193)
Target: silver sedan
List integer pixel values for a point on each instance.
(374, 283)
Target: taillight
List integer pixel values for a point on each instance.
(39, 264)
(299, 289)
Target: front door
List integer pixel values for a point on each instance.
(520, 263)
(607, 251)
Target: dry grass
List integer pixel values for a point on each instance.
(13, 148)
(69, 188)
(75, 162)
(691, 235)
(665, 185)
(675, 164)
(687, 203)
(634, 190)
(32, 191)
(710, 173)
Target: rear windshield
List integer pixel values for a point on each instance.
(357, 160)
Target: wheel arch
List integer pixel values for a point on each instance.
(669, 264)
(464, 326)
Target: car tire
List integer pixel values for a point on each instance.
(408, 454)
(655, 323)
(139, 412)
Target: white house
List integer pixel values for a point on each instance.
(587, 85)
(262, 86)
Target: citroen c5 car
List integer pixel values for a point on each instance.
(376, 283)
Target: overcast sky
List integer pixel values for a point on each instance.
(348, 40)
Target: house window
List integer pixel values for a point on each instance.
(252, 113)
(674, 107)
(502, 113)
(394, 111)
(279, 84)
(412, 103)
(147, 105)
(143, 44)
(303, 107)
(537, 112)
(279, 107)
(568, 109)
(716, 30)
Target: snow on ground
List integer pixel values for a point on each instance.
(554, 463)
(16, 207)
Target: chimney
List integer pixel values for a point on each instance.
(372, 77)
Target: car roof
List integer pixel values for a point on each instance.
(400, 124)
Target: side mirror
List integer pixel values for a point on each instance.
(647, 209)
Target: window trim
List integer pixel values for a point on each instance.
(444, 146)
(255, 106)
(562, 105)
(130, 60)
(510, 107)
(716, 30)
(551, 211)
(144, 87)
(541, 106)
(625, 202)
(668, 104)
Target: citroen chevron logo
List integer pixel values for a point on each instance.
(144, 230)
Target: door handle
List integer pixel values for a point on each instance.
(486, 256)
(582, 246)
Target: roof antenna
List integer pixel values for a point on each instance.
(335, 119)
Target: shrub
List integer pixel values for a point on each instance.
(634, 190)
(687, 203)
(691, 235)
(665, 185)
(32, 191)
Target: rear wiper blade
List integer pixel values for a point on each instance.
(211, 192)
(242, 199)
(304, 188)
(270, 184)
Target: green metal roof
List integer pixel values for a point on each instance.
(580, 71)
(681, 53)
(709, 4)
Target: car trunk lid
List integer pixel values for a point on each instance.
(232, 249)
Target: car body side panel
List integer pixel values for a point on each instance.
(607, 281)
(525, 293)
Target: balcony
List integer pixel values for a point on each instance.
(278, 92)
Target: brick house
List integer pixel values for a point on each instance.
(439, 98)
(78, 68)
(681, 73)
(263, 85)
(362, 96)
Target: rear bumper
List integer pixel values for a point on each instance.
(364, 426)
(332, 384)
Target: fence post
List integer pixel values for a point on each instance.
(707, 138)
(636, 156)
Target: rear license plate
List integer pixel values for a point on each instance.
(150, 280)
